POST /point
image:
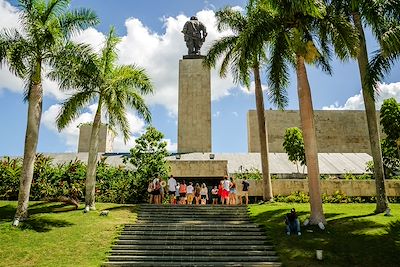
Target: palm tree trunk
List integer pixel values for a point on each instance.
(370, 111)
(31, 139)
(310, 141)
(262, 130)
(92, 161)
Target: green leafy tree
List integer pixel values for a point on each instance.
(293, 144)
(382, 18)
(148, 158)
(243, 59)
(298, 33)
(390, 121)
(115, 88)
(46, 27)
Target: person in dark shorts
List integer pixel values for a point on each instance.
(245, 192)
(157, 193)
(197, 190)
(214, 195)
(204, 194)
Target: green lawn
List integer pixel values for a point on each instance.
(354, 235)
(57, 235)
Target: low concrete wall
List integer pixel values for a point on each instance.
(199, 168)
(348, 187)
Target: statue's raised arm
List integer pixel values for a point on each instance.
(194, 35)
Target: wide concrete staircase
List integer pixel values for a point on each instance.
(193, 236)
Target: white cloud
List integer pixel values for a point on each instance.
(356, 102)
(159, 54)
(235, 114)
(251, 90)
(216, 114)
(9, 20)
(91, 37)
(171, 147)
(8, 15)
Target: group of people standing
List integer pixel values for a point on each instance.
(225, 193)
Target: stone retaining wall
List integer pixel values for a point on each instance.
(348, 187)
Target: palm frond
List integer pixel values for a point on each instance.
(223, 46)
(378, 67)
(390, 39)
(230, 19)
(278, 76)
(136, 102)
(118, 119)
(14, 49)
(73, 22)
(54, 9)
(72, 107)
(132, 77)
(75, 66)
(336, 29)
(109, 53)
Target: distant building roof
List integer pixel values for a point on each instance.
(329, 163)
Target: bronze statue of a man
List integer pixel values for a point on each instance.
(195, 34)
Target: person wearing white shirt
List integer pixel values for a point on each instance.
(171, 188)
(190, 193)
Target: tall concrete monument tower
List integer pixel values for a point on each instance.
(194, 104)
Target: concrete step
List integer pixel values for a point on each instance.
(193, 215)
(194, 247)
(192, 227)
(185, 258)
(184, 219)
(178, 232)
(235, 253)
(193, 263)
(188, 237)
(198, 222)
(193, 242)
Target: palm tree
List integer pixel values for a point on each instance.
(382, 17)
(241, 60)
(45, 29)
(115, 87)
(299, 32)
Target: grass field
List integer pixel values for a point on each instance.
(354, 236)
(57, 235)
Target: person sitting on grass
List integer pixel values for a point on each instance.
(292, 223)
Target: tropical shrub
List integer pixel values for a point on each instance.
(293, 143)
(249, 174)
(148, 158)
(50, 181)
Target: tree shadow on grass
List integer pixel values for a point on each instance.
(347, 241)
(7, 212)
(40, 224)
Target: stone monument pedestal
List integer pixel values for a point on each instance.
(194, 106)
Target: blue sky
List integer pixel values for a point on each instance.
(151, 38)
